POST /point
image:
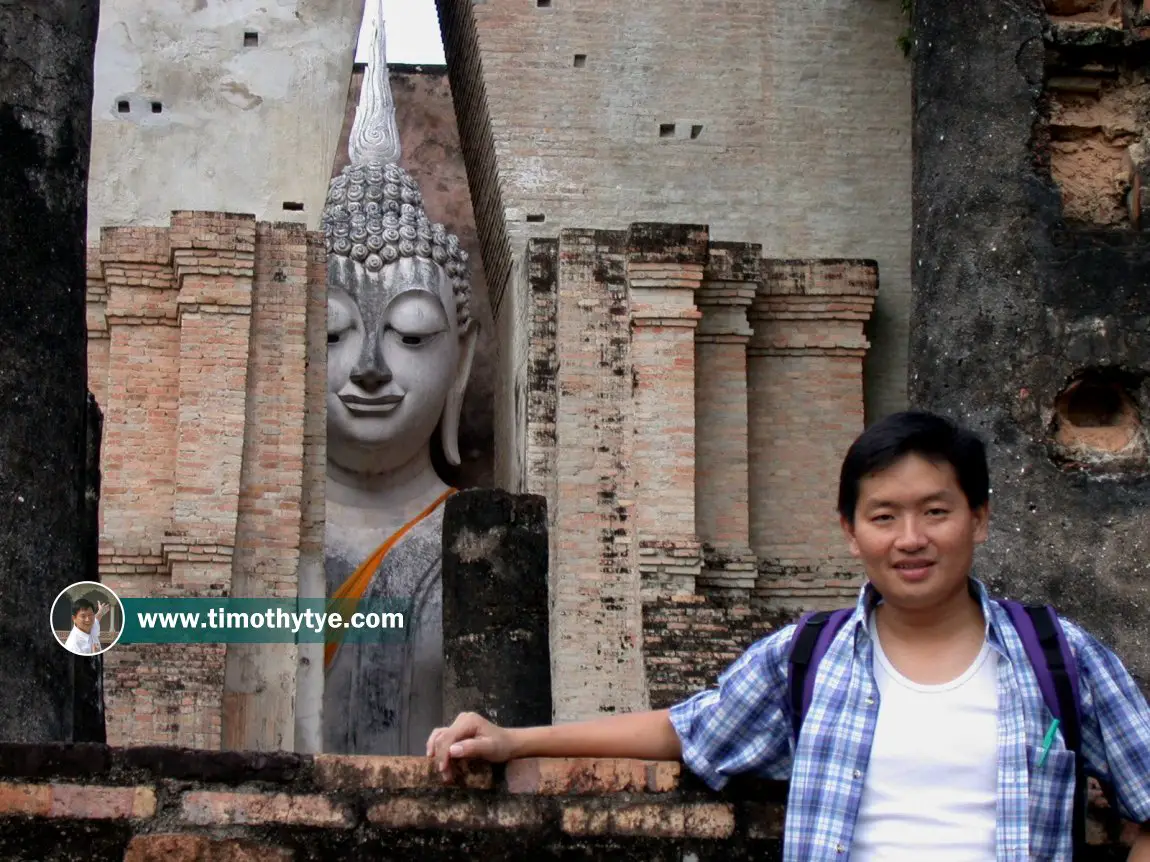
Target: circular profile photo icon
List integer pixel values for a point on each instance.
(87, 618)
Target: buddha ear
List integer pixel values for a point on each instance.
(449, 427)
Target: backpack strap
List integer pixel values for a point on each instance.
(1057, 672)
(812, 638)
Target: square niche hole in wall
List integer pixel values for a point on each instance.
(124, 106)
(543, 4)
(696, 130)
(580, 61)
(157, 107)
(251, 39)
(293, 206)
(666, 130)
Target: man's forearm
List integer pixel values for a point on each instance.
(1140, 851)
(640, 735)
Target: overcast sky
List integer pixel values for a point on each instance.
(412, 32)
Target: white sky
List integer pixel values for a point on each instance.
(412, 28)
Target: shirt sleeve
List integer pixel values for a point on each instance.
(1115, 725)
(742, 725)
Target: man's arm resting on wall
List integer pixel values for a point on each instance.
(639, 735)
(1140, 851)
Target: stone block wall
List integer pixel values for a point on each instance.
(688, 406)
(198, 359)
(170, 805)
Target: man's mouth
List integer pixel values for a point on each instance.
(914, 569)
(371, 403)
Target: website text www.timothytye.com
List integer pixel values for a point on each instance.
(272, 619)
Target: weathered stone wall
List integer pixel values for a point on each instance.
(786, 125)
(217, 105)
(168, 805)
(46, 53)
(1031, 312)
(207, 394)
(680, 393)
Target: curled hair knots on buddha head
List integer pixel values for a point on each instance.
(374, 216)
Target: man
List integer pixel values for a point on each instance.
(84, 639)
(927, 736)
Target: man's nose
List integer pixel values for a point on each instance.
(910, 534)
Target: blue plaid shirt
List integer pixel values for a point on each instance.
(744, 726)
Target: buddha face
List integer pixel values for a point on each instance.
(397, 363)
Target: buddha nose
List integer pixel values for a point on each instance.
(371, 371)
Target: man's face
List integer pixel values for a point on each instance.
(915, 532)
(83, 620)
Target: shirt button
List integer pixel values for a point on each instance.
(841, 849)
(858, 773)
(870, 701)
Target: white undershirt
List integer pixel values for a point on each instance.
(930, 787)
(79, 642)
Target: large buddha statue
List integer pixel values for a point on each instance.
(400, 344)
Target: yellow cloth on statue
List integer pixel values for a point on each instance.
(353, 588)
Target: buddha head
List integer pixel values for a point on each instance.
(401, 337)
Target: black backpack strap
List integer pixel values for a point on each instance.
(802, 649)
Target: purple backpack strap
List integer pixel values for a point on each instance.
(1043, 639)
(813, 636)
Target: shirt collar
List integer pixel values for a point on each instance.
(869, 597)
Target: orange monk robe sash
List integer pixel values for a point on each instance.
(352, 590)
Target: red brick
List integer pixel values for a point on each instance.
(699, 820)
(102, 803)
(589, 776)
(198, 848)
(33, 800)
(458, 814)
(215, 808)
(365, 772)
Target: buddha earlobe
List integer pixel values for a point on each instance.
(449, 426)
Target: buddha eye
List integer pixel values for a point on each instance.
(413, 340)
(333, 337)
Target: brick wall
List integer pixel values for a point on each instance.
(688, 407)
(167, 805)
(786, 125)
(207, 396)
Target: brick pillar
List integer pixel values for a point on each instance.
(596, 612)
(259, 683)
(664, 269)
(138, 455)
(312, 581)
(213, 255)
(138, 463)
(721, 479)
(805, 409)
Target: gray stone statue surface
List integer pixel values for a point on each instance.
(400, 344)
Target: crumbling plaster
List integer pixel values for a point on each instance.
(240, 128)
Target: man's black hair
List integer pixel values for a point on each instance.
(82, 605)
(915, 432)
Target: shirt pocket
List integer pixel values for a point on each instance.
(1051, 799)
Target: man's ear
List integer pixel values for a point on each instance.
(849, 531)
(981, 517)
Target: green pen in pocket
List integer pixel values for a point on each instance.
(1048, 741)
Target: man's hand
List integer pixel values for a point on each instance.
(101, 609)
(470, 737)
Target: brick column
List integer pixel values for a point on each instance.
(138, 455)
(596, 613)
(805, 409)
(664, 270)
(721, 494)
(213, 256)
